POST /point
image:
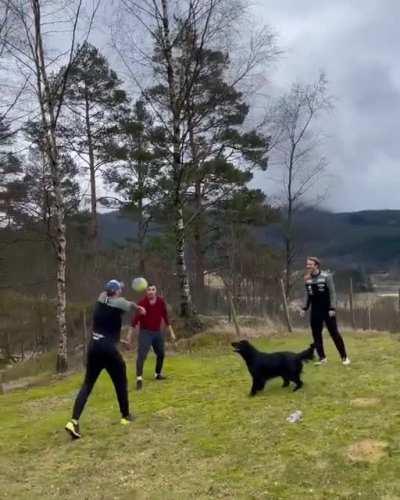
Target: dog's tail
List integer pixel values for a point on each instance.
(307, 355)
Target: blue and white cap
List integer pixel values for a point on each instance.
(113, 286)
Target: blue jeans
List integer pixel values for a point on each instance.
(149, 339)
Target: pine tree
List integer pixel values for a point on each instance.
(92, 97)
(136, 169)
(12, 189)
(218, 155)
(180, 36)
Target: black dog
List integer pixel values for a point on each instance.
(264, 366)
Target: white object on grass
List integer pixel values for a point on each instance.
(295, 417)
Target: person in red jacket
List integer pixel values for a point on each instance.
(151, 332)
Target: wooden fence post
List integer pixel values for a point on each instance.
(351, 303)
(369, 316)
(285, 307)
(234, 316)
(232, 310)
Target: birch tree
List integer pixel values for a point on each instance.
(35, 53)
(179, 34)
(297, 152)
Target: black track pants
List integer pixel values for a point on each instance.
(318, 318)
(148, 339)
(103, 354)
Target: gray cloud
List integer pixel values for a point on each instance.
(357, 44)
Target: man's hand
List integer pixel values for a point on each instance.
(141, 310)
(302, 313)
(172, 333)
(127, 344)
(332, 313)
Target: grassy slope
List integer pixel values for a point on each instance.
(199, 435)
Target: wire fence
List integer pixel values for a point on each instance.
(28, 327)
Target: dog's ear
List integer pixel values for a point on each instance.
(245, 344)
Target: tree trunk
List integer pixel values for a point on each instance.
(186, 309)
(142, 225)
(234, 316)
(183, 280)
(7, 347)
(198, 237)
(289, 229)
(199, 259)
(286, 308)
(61, 242)
(198, 227)
(92, 171)
(141, 237)
(288, 265)
(48, 119)
(232, 262)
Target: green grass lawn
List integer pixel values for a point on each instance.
(199, 435)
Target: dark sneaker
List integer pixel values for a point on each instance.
(160, 377)
(127, 420)
(139, 385)
(72, 428)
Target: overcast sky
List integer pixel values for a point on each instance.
(357, 43)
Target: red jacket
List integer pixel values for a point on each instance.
(155, 313)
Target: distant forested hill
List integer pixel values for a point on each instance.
(368, 239)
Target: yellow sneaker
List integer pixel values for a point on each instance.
(72, 427)
(127, 420)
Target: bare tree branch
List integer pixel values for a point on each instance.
(297, 151)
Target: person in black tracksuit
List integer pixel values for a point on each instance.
(320, 295)
(103, 353)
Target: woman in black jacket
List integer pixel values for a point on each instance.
(320, 296)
